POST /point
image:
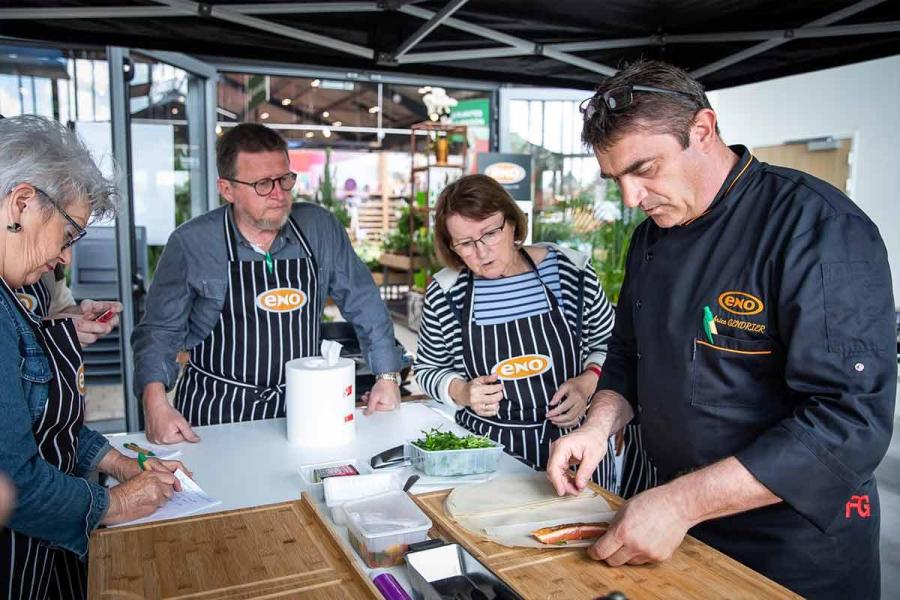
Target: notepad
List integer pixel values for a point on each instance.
(161, 452)
(189, 500)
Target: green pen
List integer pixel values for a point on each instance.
(709, 324)
(142, 461)
(270, 265)
(138, 449)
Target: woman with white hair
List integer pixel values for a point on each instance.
(49, 189)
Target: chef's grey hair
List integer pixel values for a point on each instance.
(52, 158)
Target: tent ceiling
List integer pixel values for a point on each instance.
(566, 43)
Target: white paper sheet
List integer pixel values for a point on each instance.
(189, 500)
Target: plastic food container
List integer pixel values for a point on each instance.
(382, 527)
(445, 463)
(340, 490)
(316, 489)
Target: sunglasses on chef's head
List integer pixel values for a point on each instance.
(620, 98)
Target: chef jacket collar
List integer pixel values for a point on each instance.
(734, 183)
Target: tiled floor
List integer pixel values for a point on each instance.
(105, 402)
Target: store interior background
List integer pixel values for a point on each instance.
(349, 143)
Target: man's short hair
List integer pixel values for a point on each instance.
(651, 112)
(246, 137)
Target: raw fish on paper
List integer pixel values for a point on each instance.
(507, 510)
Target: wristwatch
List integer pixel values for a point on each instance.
(390, 376)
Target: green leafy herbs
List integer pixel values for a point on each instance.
(436, 440)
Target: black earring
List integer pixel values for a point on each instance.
(14, 227)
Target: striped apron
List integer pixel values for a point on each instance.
(35, 298)
(29, 567)
(534, 356)
(638, 473)
(268, 318)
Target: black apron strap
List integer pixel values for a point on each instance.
(579, 308)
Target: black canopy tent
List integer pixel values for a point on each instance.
(558, 43)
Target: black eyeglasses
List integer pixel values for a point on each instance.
(71, 238)
(264, 186)
(490, 238)
(619, 98)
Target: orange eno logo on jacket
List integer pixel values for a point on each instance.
(281, 300)
(505, 172)
(521, 367)
(741, 303)
(28, 301)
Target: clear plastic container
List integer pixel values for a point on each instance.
(340, 490)
(447, 463)
(317, 488)
(382, 527)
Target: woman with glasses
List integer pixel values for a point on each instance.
(512, 336)
(49, 189)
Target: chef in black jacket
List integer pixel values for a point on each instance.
(754, 342)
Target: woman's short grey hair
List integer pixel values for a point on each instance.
(52, 158)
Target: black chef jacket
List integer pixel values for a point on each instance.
(799, 384)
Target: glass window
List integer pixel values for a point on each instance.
(573, 206)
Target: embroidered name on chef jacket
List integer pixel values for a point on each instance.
(741, 304)
(28, 301)
(281, 300)
(522, 367)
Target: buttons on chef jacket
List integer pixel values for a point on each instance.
(859, 367)
(638, 304)
(648, 257)
(639, 356)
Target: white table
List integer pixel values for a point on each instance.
(251, 464)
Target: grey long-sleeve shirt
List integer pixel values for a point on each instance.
(191, 281)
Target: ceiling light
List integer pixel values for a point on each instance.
(218, 130)
(338, 123)
(181, 99)
(326, 114)
(264, 116)
(326, 132)
(374, 110)
(309, 134)
(315, 83)
(286, 102)
(174, 111)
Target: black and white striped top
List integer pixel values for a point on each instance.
(508, 298)
(439, 356)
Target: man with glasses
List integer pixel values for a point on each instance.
(243, 288)
(753, 343)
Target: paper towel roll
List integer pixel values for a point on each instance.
(320, 402)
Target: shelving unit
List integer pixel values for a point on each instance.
(439, 155)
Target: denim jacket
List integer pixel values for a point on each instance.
(52, 506)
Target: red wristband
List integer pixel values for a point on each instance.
(595, 370)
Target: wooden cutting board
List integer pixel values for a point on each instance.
(695, 571)
(284, 550)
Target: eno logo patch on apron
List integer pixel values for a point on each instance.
(522, 367)
(79, 380)
(27, 300)
(281, 300)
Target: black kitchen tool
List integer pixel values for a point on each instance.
(392, 457)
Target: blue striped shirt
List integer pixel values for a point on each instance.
(509, 298)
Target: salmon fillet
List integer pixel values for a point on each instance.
(570, 532)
